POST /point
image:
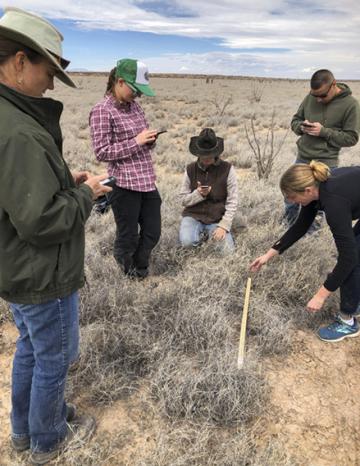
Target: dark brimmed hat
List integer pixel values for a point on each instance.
(207, 144)
(37, 34)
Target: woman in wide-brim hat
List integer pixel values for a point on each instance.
(43, 208)
(209, 194)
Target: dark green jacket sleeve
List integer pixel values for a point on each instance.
(348, 135)
(297, 119)
(38, 193)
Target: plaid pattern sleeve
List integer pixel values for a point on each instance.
(113, 128)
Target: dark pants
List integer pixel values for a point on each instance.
(133, 245)
(350, 289)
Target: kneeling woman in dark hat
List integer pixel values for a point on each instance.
(209, 193)
(338, 195)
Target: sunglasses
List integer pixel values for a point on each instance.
(136, 93)
(324, 94)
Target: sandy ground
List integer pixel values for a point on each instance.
(314, 409)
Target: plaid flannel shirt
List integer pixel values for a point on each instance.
(113, 128)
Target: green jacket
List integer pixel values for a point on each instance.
(341, 125)
(42, 211)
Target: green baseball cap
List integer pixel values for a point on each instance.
(135, 74)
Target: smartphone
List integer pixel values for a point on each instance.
(307, 125)
(161, 132)
(111, 181)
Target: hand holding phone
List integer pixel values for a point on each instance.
(100, 184)
(306, 124)
(203, 189)
(111, 181)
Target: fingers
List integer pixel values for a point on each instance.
(204, 191)
(219, 235)
(256, 265)
(81, 176)
(311, 309)
(97, 188)
(146, 137)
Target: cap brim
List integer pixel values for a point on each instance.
(144, 89)
(201, 152)
(25, 40)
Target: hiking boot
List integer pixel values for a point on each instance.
(79, 432)
(141, 273)
(338, 330)
(23, 443)
(20, 444)
(137, 274)
(70, 412)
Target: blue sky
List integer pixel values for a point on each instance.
(274, 38)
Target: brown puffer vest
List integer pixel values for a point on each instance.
(212, 208)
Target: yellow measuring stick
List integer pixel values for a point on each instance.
(241, 355)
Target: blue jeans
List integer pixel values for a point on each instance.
(48, 343)
(350, 289)
(192, 233)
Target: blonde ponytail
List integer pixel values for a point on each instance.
(303, 175)
(321, 171)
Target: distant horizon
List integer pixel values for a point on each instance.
(278, 39)
(204, 75)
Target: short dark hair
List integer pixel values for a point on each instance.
(321, 77)
(9, 48)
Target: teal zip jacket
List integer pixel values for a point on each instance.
(42, 211)
(341, 125)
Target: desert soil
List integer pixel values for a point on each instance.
(313, 410)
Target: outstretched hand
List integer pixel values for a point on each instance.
(317, 301)
(256, 265)
(315, 304)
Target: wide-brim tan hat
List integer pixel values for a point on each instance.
(37, 34)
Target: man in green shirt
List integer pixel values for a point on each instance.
(327, 120)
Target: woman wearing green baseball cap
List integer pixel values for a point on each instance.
(121, 137)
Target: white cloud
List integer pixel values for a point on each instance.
(317, 33)
(248, 64)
